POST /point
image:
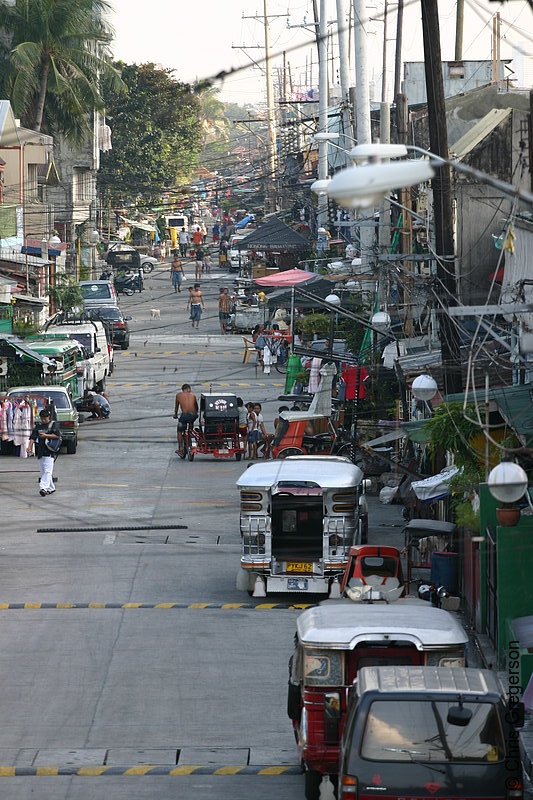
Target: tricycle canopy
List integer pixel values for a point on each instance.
(337, 626)
(221, 405)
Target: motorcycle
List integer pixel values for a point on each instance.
(129, 284)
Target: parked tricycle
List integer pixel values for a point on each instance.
(333, 642)
(301, 433)
(373, 570)
(298, 520)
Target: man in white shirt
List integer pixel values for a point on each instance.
(183, 241)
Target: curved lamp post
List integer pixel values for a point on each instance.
(335, 301)
(424, 388)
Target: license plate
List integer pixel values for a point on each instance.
(297, 584)
(299, 566)
(223, 450)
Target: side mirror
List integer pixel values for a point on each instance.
(460, 716)
(517, 715)
(366, 484)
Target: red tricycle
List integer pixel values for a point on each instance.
(217, 430)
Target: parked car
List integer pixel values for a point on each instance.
(67, 416)
(115, 323)
(147, 263)
(97, 293)
(430, 731)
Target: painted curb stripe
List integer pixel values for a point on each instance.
(31, 606)
(142, 770)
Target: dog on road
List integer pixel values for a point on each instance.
(155, 313)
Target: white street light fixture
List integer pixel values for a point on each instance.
(366, 186)
(321, 186)
(94, 237)
(368, 152)
(325, 136)
(424, 388)
(507, 482)
(333, 299)
(54, 240)
(381, 320)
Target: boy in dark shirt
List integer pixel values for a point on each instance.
(43, 431)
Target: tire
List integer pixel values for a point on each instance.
(290, 451)
(124, 345)
(282, 367)
(72, 446)
(100, 387)
(313, 780)
(190, 451)
(127, 290)
(147, 267)
(344, 451)
(238, 456)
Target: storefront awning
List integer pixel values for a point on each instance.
(143, 226)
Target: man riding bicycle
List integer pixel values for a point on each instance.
(187, 402)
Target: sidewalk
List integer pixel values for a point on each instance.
(526, 733)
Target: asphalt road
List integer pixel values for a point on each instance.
(112, 686)
(100, 687)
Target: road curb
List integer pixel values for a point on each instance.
(145, 770)
(66, 605)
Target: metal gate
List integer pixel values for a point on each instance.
(491, 609)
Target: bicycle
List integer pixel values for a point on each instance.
(281, 351)
(188, 443)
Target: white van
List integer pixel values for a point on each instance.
(92, 337)
(177, 221)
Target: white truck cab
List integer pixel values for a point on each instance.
(91, 335)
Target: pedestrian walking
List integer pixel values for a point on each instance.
(176, 273)
(216, 232)
(43, 436)
(206, 262)
(224, 303)
(183, 241)
(203, 230)
(196, 304)
(163, 252)
(199, 263)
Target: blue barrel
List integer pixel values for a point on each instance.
(445, 571)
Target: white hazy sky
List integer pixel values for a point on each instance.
(196, 38)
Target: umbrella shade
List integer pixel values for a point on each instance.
(317, 285)
(289, 277)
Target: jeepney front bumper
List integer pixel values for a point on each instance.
(310, 584)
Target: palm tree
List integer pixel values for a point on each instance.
(53, 54)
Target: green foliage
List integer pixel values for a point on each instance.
(53, 57)
(354, 332)
(463, 485)
(449, 430)
(66, 295)
(156, 135)
(314, 323)
(23, 328)
(466, 517)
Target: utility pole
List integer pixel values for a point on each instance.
(398, 55)
(322, 111)
(364, 128)
(459, 25)
(441, 183)
(384, 63)
(270, 192)
(344, 74)
(402, 121)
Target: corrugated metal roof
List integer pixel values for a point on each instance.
(478, 132)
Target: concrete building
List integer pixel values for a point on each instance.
(458, 76)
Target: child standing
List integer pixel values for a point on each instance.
(253, 433)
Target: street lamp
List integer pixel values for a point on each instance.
(424, 388)
(321, 186)
(507, 483)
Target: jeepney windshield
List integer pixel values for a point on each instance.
(418, 730)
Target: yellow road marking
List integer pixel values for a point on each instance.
(183, 353)
(228, 770)
(141, 769)
(266, 605)
(165, 605)
(185, 770)
(32, 605)
(272, 771)
(198, 605)
(64, 605)
(131, 605)
(47, 770)
(244, 384)
(92, 770)
(233, 605)
(97, 605)
(7, 772)
(3, 606)
(168, 353)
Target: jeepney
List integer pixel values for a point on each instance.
(39, 362)
(64, 353)
(333, 641)
(298, 519)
